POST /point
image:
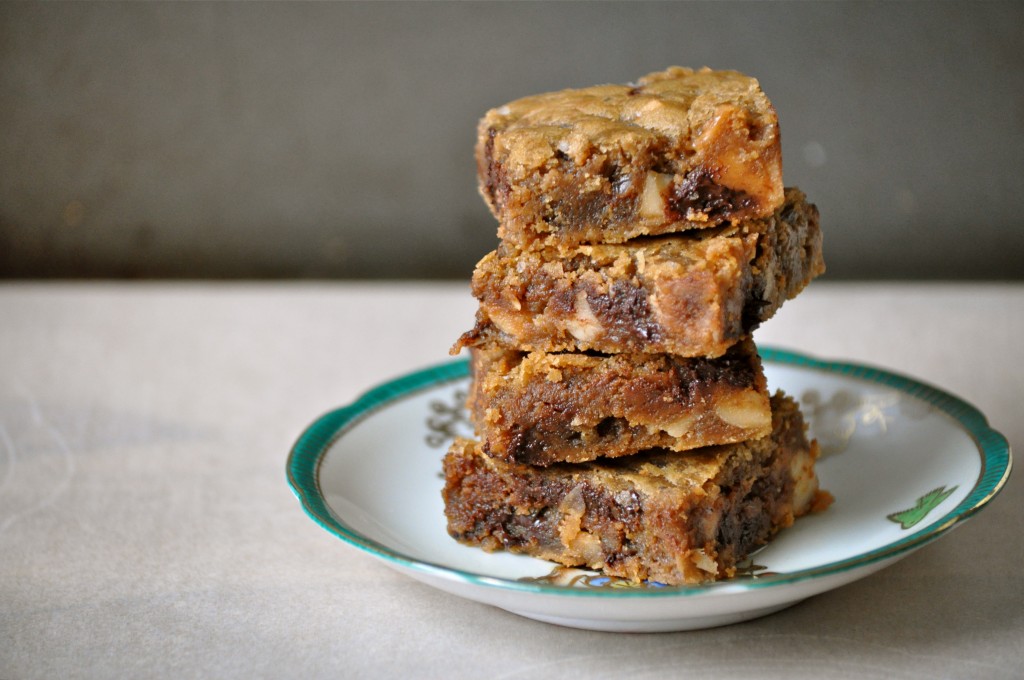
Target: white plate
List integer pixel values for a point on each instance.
(906, 463)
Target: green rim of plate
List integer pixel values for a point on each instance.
(311, 446)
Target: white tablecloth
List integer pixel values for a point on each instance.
(147, 530)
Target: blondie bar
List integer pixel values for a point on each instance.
(679, 149)
(541, 408)
(658, 516)
(692, 294)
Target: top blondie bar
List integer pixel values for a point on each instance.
(679, 149)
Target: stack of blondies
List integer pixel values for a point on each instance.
(623, 418)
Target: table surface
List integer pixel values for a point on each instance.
(147, 529)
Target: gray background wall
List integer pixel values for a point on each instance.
(335, 140)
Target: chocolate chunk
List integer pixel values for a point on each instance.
(699, 192)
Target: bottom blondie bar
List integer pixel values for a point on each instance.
(660, 516)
